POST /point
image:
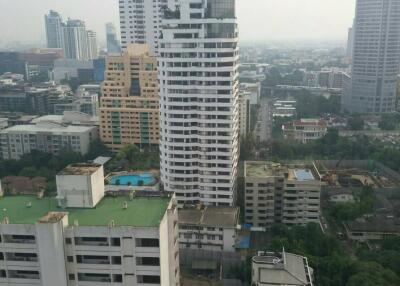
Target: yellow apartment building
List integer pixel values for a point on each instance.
(129, 105)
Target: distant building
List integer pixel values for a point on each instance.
(46, 137)
(69, 68)
(31, 100)
(54, 30)
(129, 105)
(244, 113)
(276, 193)
(113, 45)
(76, 40)
(375, 58)
(211, 228)
(10, 62)
(254, 89)
(284, 108)
(373, 228)
(99, 68)
(281, 269)
(350, 43)
(3, 123)
(305, 130)
(69, 118)
(93, 49)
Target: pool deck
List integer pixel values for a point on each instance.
(141, 212)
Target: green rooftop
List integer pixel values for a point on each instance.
(141, 212)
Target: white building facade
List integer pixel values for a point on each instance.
(57, 250)
(140, 21)
(46, 137)
(199, 116)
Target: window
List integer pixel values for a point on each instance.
(147, 242)
(71, 276)
(115, 241)
(70, 258)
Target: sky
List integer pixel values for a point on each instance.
(259, 20)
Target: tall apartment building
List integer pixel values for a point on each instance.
(129, 105)
(140, 21)
(49, 137)
(76, 40)
(54, 30)
(112, 241)
(198, 76)
(276, 193)
(113, 45)
(93, 52)
(376, 57)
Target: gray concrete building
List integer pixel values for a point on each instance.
(375, 58)
(278, 193)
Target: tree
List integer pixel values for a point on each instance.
(389, 121)
(96, 149)
(372, 274)
(355, 123)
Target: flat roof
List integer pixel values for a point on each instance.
(80, 169)
(210, 216)
(48, 127)
(141, 212)
(263, 169)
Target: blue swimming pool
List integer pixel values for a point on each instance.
(145, 179)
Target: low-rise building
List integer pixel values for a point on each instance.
(46, 137)
(210, 228)
(305, 130)
(372, 228)
(276, 193)
(281, 269)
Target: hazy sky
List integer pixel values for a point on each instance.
(258, 19)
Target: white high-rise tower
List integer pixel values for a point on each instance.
(198, 76)
(375, 58)
(140, 21)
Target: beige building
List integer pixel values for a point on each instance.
(129, 108)
(276, 193)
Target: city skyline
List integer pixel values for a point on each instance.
(304, 24)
